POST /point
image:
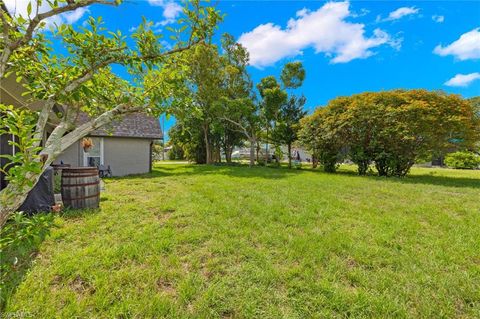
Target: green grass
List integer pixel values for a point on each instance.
(232, 242)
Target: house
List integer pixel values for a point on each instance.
(125, 145)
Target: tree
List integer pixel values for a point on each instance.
(245, 115)
(189, 138)
(392, 129)
(205, 82)
(291, 112)
(475, 102)
(273, 97)
(318, 134)
(280, 113)
(217, 93)
(236, 88)
(289, 123)
(83, 81)
(293, 75)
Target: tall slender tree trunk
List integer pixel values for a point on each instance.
(218, 153)
(266, 148)
(252, 151)
(314, 161)
(208, 149)
(289, 145)
(228, 153)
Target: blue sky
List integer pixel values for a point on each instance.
(346, 47)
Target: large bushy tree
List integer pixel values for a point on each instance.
(393, 129)
(217, 94)
(83, 81)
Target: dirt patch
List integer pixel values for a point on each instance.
(82, 286)
(163, 214)
(351, 263)
(166, 286)
(57, 280)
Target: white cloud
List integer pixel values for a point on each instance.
(326, 30)
(19, 7)
(171, 10)
(463, 80)
(401, 12)
(465, 48)
(438, 18)
(74, 16)
(158, 3)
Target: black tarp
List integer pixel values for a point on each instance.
(41, 198)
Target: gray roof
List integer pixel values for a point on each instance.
(137, 125)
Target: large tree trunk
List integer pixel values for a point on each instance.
(314, 161)
(266, 147)
(252, 152)
(207, 144)
(228, 154)
(289, 145)
(13, 196)
(218, 154)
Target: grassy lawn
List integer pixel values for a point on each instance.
(233, 242)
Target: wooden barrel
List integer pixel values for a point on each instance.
(80, 187)
(57, 168)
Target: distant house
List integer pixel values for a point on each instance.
(125, 145)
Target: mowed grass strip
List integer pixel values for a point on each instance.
(192, 241)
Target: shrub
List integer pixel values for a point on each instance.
(391, 129)
(462, 160)
(19, 239)
(176, 153)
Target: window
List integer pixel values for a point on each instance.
(94, 157)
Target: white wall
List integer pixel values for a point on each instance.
(72, 155)
(125, 155)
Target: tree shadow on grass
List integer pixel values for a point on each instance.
(426, 179)
(245, 171)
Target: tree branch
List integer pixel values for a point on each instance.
(5, 24)
(10, 47)
(71, 6)
(243, 129)
(170, 52)
(88, 127)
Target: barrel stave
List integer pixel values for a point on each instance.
(80, 187)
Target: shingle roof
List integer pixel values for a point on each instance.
(137, 125)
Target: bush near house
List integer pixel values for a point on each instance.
(462, 160)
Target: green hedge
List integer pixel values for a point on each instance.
(462, 160)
